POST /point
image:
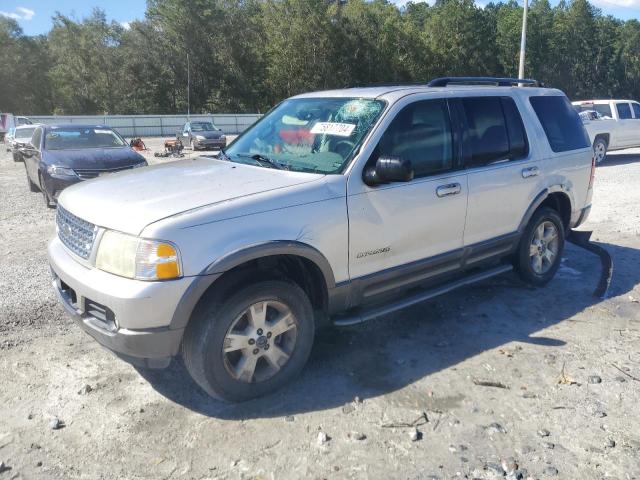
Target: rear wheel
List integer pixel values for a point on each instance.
(541, 247)
(251, 344)
(600, 150)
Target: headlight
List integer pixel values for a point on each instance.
(137, 258)
(200, 137)
(60, 171)
(223, 137)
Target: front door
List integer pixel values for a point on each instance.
(396, 229)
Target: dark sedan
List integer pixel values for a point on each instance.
(201, 135)
(61, 155)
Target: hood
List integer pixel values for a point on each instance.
(129, 201)
(211, 134)
(93, 158)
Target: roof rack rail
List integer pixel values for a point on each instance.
(499, 81)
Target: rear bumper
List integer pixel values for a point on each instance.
(580, 216)
(129, 317)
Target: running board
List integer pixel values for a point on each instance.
(366, 315)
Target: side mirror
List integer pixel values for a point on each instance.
(387, 170)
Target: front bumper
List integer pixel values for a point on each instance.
(210, 143)
(129, 317)
(54, 184)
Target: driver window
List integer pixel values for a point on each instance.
(421, 133)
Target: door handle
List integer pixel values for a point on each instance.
(530, 172)
(448, 189)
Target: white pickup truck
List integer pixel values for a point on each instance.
(614, 126)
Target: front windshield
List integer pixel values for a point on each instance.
(202, 127)
(73, 138)
(308, 134)
(24, 132)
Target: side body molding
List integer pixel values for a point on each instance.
(215, 270)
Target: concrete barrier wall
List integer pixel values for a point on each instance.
(154, 125)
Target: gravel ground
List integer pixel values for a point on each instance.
(400, 397)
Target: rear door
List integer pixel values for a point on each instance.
(635, 140)
(504, 171)
(626, 124)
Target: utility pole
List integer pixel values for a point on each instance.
(189, 89)
(523, 40)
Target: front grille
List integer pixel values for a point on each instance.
(89, 173)
(76, 234)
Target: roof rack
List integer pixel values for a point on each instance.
(500, 82)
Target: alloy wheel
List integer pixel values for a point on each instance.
(544, 247)
(260, 341)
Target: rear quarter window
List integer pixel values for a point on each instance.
(561, 123)
(624, 111)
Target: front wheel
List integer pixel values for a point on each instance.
(541, 247)
(48, 201)
(600, 150)
(251, 344)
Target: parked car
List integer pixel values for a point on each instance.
(201, 135)
(616, 127)
(20, 139)
(9, 120)
(60, 155)
(334, 208)
(8, 138)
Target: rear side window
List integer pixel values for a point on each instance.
(636, 110)
(560, 122)
(518, 144)
(624, 111)
(495, 130)
(487, 131)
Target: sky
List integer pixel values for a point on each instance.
(34, 16)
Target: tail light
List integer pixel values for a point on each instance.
(593, 171)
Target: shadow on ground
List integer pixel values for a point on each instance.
(615, 159)
(390, 353)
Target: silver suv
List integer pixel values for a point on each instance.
(334, 208)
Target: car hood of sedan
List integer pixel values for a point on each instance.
(93, 158)
(129, 201)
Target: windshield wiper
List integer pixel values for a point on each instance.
(261, 159)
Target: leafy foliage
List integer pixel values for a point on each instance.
(247, 55)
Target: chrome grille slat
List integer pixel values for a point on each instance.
(76, 234)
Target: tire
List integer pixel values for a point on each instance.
(600, 150)
(534, 262)
(221, 374)
(32, 186)
(17, 157)
(45, 195)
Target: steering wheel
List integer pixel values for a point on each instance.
(343, 147)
